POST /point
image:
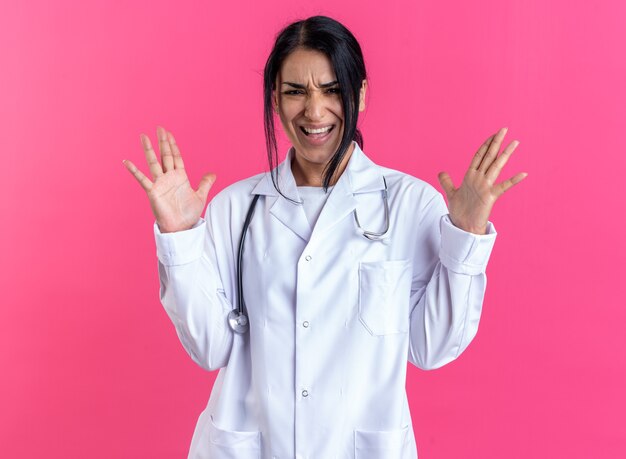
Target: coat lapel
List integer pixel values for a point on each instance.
(339, 205)
(360, 176)
(291, 214)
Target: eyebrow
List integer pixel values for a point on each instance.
(301, 86)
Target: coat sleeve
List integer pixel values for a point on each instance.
(192, 293)
(447, 293)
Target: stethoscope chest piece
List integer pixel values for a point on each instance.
(238, 321)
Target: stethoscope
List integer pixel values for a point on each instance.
(237, 318)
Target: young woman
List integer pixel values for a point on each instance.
(310, 286)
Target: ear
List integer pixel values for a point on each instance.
(275, 100)
(362, 95)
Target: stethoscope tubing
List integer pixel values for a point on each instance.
(242, 240)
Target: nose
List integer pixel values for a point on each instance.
(314, 108)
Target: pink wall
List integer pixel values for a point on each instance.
(91, 367)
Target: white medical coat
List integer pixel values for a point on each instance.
(334, 317)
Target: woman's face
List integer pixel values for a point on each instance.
(308, 102)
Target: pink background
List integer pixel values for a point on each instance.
(91, 366)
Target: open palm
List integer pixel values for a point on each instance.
(471, 203)
(175, 204)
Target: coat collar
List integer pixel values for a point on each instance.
(361, 175)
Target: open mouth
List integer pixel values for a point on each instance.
(317, 132)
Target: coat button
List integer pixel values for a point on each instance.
(305, 393)
(308, 258)
(305, 324)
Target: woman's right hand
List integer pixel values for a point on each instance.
(175, 205)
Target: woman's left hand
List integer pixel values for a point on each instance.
(471, 203)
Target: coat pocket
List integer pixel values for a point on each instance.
(380, 444)
(232, 444)
(384, 296)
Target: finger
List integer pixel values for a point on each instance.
(492, 151)
(446, 183)
(153, 162)
(496, 167)
(480, 153)
(205, 185)
(178, 159)
(507, 184)
(166, 151)
(144, 181)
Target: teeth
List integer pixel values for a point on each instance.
(317, 131)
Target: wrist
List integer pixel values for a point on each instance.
(469, 227)
(164, 229)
